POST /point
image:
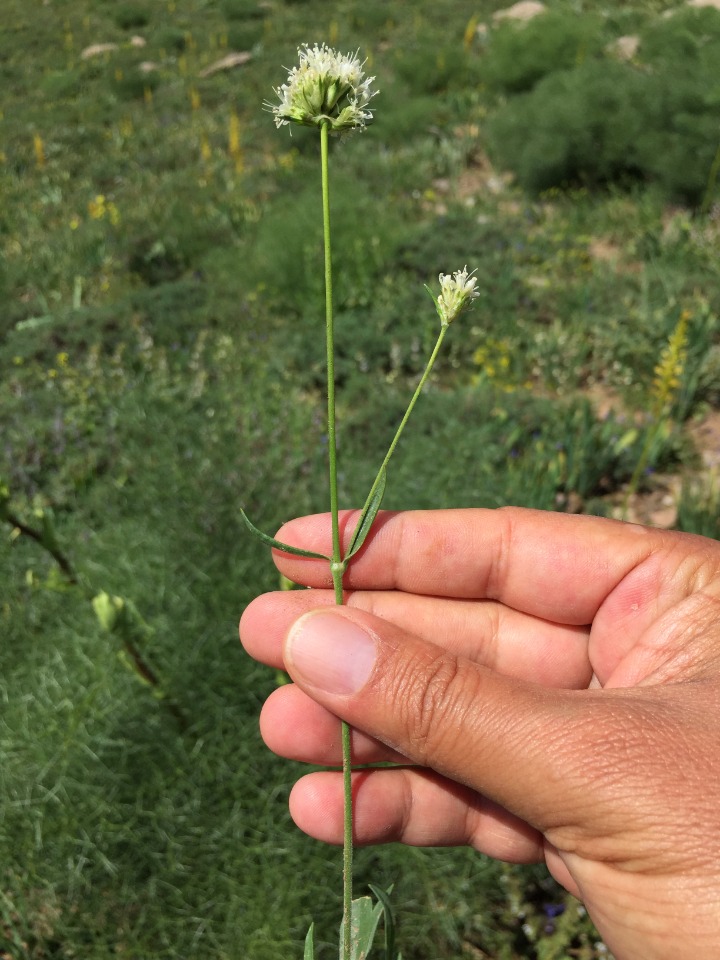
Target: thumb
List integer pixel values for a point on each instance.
(545, 755)
(618, 781)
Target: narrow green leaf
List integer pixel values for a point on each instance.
(626, 440)
(285, 547)
(363, 924)
(309, 953)
(367, 518)
(388, 921)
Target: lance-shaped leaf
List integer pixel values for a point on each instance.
(309, 953)
(285, 547)
(388, 920)
(367, 517)
(363, 924)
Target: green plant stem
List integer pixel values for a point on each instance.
(418, 390)
(330, 346)
(712, 179)
(641, 465)
(74, 579)
(336, 566)
(58, 556)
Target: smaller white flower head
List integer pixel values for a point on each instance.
(326, 86)
(457, 292)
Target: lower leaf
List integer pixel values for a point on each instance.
(363, 925)
(309, 953)
(285, 547)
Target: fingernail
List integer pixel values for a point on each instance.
(330, 652)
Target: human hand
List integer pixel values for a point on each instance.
(553, 680)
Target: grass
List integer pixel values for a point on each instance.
(161, 363)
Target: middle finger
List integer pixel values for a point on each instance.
(515, 644)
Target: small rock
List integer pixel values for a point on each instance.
(624, 48)
(524, 10)
(97, 49)
(704, 3)
(495, 184)
(604, 250)
(137, 41)
(147, 66)
(227, 63)
(706, 434)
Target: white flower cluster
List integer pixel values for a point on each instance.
(326, 87)
(456, 293)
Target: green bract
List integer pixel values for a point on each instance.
(326, 87)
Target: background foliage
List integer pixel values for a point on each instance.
(161, 359)
(589, 117)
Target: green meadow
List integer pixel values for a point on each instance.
(162, 366)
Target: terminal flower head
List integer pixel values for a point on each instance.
(326, 87)
(457, 292)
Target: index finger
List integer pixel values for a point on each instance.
(557, 566)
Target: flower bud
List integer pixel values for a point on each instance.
(457, 292)
(107, 610)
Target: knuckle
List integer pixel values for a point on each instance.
(433, 700)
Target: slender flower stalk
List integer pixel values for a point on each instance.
(457, 292)
(328, 91)
(330, 350)
(418, 390)
(337, 566)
